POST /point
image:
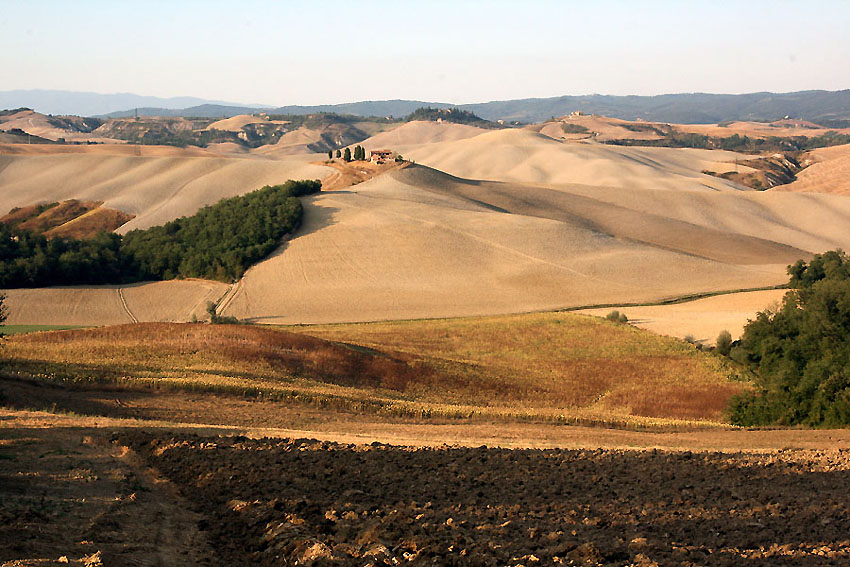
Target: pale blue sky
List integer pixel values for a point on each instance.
(449, 51)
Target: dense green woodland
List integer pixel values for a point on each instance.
(801, 351)
(218, 242)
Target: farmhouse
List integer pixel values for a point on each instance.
(380, 155)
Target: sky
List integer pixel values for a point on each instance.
(459, 51)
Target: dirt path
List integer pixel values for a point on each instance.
(70, 496)
(123, 300)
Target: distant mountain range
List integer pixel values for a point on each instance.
(830, 108)
(96, 104)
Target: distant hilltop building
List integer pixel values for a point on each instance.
(380, 156)
(575, 113)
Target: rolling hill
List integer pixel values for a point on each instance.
(488, 221)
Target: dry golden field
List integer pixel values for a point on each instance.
(547, 367)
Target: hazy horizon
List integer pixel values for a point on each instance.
(280, 54)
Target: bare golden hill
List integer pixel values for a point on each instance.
(504, 221)
(420, 243)
(238, 122)
(421, 132)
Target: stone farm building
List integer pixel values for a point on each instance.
(381, 155)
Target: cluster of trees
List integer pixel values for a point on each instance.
(359, 154)
(447, 115)
(218, 242)
(736, 142)
(800, 352)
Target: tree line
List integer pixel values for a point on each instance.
(800, 352)
(218, 242)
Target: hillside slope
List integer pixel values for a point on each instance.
(155, 189)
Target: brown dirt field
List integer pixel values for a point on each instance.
(74, 486)
(301, 500)
(70, 497)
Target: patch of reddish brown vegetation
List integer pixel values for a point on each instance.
(677, 401)
(58, 215)
(298, 501)
(70, 219)
(20, 214)
(243, 349)
(89, 224)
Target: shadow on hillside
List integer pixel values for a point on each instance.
(316, 217)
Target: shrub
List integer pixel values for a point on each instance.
(724, 342)
(617, 317)
(217, 319)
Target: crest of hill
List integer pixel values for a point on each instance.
(53, 128)
(524, 156)
(422, 132)
(237, 123)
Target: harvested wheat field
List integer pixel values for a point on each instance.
(40, 125)
(702, 319)
(175, 300)
(419, 243)
(783, 128)
(520, 223)
(529, 157)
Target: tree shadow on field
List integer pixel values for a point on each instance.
(316, 217)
